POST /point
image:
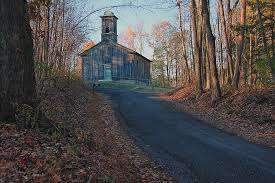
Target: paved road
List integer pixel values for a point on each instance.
(183, 143)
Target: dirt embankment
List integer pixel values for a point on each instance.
(94, 148)
(248, 113)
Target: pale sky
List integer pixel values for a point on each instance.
(130, 16)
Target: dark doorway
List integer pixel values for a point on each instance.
(107, 30)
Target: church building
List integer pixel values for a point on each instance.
(111, 61)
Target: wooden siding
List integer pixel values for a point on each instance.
(124, 65)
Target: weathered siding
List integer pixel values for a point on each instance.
(86, 68)
(124, 65)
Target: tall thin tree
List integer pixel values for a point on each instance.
(240, 45)
(186, 67)
(197, 45)
(226, 40)
(211, 49)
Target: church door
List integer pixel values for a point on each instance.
(107, 73)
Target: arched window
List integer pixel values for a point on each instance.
(107, 30)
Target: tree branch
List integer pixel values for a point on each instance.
(105, 8)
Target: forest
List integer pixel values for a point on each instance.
(214, 59)
(211, 45)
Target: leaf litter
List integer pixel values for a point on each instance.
(95, 149)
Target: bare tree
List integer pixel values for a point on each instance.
(211, 49)
(197, 46)
(226, 39)
(183, 39)
(240, 45)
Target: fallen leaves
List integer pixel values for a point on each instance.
(55, 178)
(246, 113)
(94, 147)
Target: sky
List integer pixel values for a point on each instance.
(130, 16)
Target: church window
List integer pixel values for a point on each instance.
(107, 30)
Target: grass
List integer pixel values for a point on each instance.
(131, 85)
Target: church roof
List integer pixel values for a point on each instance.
(108, 13)
(132, 51)
(84, 53)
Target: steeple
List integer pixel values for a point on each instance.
(109, 27)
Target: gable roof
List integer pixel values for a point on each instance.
(132, 51)
(84, 53)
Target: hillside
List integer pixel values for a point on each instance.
(88, 144)
(248, 113)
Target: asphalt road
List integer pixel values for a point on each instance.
(187, 147)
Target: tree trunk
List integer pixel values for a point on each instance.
(61, 51)
(204, 59)
(272, 38)
(17, 81)
(240, 45)
(192, 50)
(167, 68)
(176, 72)
(186, 67)
(220, 52)
(250, 60)
(207, 72)
(226, 39)
(211, 50)
(197, 48)
(47, 36)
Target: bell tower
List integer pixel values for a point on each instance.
(109, 27)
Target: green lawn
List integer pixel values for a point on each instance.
(132, 86)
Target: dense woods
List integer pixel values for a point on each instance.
(219, 43)
(210, 45)
(57, 33)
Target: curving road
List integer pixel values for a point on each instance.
(190, 150)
